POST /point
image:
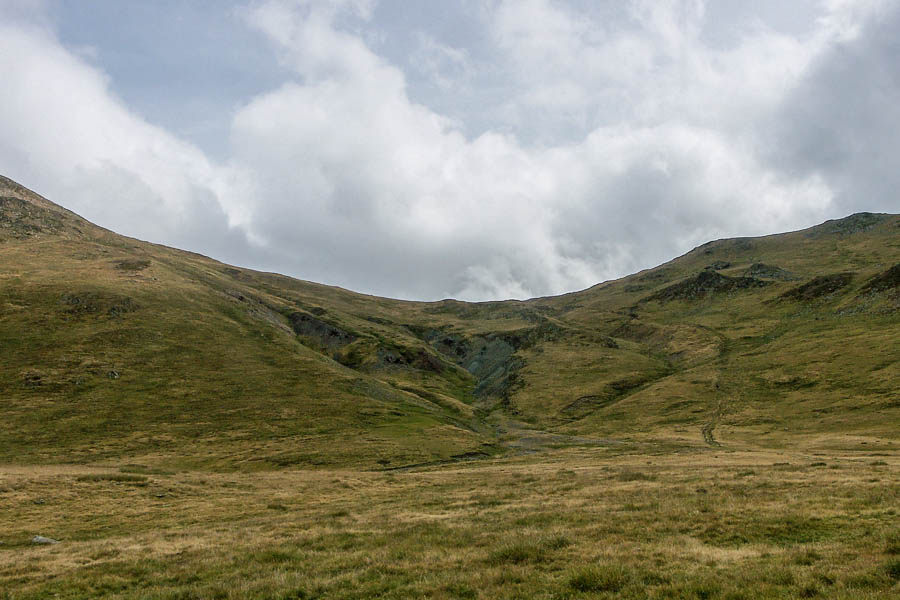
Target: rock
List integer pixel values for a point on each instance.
(718, 265)
(321, 332)
(885, 281)
(703, 284)
(770, 271)
(857, 223)
(39, 539)
(819, 287)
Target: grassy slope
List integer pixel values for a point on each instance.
(750, 366)
(175, 357)
(118, 347)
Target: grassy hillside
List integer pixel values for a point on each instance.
(116, 347)
(119, 348)
(786, 339)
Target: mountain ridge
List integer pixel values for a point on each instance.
(123, 347)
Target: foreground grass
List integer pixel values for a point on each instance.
(574, 523)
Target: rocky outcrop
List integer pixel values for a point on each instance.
(321, 332)
(703, 284)
(768, 272)
(819, 287)
(856, 223)
(883, 282)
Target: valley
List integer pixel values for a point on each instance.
(725, 425)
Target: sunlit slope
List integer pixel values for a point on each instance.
(784, 339)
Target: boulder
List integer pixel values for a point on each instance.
(39, 539)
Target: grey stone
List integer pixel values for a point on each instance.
(39, 539)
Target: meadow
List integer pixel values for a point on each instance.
(618, 521)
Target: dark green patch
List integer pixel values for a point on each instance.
(602, 578)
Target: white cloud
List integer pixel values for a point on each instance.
(69, 137)
(627, 139)
(351, 151)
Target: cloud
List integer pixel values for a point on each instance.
(445, 66)
(839, 122)
(69, 137)
(355, 164)
(620, 137)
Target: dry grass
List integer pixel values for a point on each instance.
(566, 523)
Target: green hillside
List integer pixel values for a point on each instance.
(115, 347)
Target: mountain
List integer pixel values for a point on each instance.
(115, 348)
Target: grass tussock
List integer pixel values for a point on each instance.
(892, 542)
(601, 578)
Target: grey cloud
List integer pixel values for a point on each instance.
(841, 121)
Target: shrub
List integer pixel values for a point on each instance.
(893, 569)
(892, 543)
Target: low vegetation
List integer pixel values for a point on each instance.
(562, 524)
(722, 426)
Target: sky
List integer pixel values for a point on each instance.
(474, 149)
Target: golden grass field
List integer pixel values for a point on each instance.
(603, 522)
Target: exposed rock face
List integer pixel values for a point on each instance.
(24, 214)
(489, 358)
(492, 358)
(888, 280)
(704, 284)
(768, 271)
(20, 218)
(819, 287)
(739, 245)
(388, 356)
(857, 223)
(325, 334)
(718, 265)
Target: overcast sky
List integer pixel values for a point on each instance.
(469, 149)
